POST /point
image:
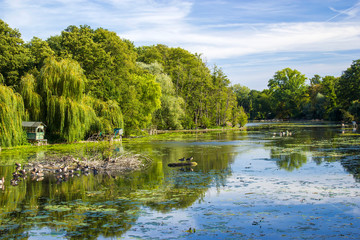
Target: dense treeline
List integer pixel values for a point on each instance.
(289, 97)
(85, 81)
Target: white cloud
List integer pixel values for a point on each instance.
(175, 23)
(218, 44)
(149, 21)
(116, 15)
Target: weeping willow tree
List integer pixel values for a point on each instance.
(11, 114)
(69, 119)
(61, 85)
(109, 114)
(32, 100)
(64, 78)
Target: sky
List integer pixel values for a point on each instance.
(250, 40)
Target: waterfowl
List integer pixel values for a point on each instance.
(33, 172)
(22, 172)
(14, 182)
(182, 159)
(59, 179)
(85, 169)
(40, 179)
(2, 181)
(39, 174)
(78, 167)
(64, 169)
(190, 159)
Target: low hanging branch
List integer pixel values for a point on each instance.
(11, 114)
(62, 86)
(32, 100)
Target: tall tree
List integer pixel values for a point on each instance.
(61, 86)
(109, 64)
(261, 105)
(222, 97)
(242, 96)
(193, 82)
(288, 91)
(208, 99)
(141, 101)
(328, 89)
(14, 57)
(170, 114)
(349, 85)
(107, 60)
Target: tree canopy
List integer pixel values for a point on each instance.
(14, 57)
(288, 92)
(349, 84)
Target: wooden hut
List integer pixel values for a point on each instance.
(35, 132)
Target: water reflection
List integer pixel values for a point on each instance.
(101, 205)
(352, 166)
(96, 206)
(290, 161)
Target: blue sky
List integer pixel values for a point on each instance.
(250, 40)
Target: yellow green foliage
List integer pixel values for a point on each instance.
(32, 100)
(61, 85)
(11, 113)
(109, 114)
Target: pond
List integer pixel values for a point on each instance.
(254, 184)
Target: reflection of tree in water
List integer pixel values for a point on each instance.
(288, 161)
(91, 206)
(352, 166)
(182, 187)
(84, 206)
(291, 152)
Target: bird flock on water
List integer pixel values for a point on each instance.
(37, 173)
(283, 133)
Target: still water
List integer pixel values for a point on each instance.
(252, 184)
